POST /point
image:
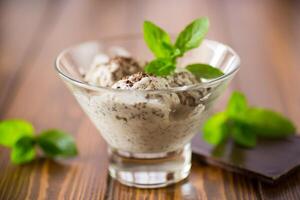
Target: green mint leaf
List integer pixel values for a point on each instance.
(160, 67)
(204, 71)
(242, 135)
(55, 143)
(23, 150)
(192, 35)
(12, 130)
(237, 104)
(215, 129)
(166, 70)
(158, 40)
(267, 124)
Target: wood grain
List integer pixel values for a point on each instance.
(265, 33)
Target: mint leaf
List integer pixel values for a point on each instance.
(242, 135)
(160, 67)
(23, 150)
(12, 130)
(158, 40)
(204, 71)
(192, 35)
(166, 70)
(55, 143)
(237, 104)
(215, 129)
(267, 124)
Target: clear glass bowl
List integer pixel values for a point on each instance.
(148, 131)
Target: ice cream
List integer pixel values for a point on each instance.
(105, 72)
(141, 113)
(185, 78)
(141, 81)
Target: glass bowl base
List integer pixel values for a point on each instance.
(150, 170)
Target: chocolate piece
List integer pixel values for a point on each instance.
(269, 161)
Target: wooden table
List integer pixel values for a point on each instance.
(265, 33)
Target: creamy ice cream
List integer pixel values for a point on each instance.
(141, 114)
(142, 81)
(105, 72)
(185, 78)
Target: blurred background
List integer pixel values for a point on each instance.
(266, 34)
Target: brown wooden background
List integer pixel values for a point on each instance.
(265, 33)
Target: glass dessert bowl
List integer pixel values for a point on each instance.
(148, 122)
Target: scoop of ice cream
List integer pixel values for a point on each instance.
(185, 78)
(105, 74)
(143, 121)
(142, 81)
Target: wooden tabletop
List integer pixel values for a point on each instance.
(265, 33)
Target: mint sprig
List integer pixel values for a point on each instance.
(19, 136)
(166, 52)
(244, 124)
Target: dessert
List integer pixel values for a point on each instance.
(159, 121)
(155, 116)
(152, 107)
(105, 72)
(185, 78)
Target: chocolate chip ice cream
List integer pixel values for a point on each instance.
(141, 113)
(106, 72)
(185, 78)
